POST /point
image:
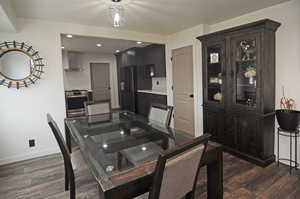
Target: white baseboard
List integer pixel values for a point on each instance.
(35, 154)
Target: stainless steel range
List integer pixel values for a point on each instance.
(75, 100)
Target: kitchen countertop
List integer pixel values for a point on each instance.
(153, 92)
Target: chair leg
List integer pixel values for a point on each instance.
(66, 179)
(72, 189)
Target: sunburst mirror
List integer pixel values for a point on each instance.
(20, 65)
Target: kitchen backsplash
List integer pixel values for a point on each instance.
(159, 84)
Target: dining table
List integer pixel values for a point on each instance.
(121, 149)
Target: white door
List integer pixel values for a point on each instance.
(182, 60)
(100, 81)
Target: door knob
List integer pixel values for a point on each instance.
(191, 95)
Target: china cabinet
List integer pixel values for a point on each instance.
(239, 89)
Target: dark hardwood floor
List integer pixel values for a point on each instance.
(42, 178)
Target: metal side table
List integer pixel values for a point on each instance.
(291, 134)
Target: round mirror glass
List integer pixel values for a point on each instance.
(15, 65)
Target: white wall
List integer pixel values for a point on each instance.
(8, 19)
(182, 39)
(287, 51)
(23, 112)
(159, 84)
(82, 79)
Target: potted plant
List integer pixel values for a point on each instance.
(288, 119)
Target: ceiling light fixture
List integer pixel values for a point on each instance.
(116, 13)
(139, 42)
(144, 148)
(117, 51)
(98, 45)
(69, 36)
(62, 47)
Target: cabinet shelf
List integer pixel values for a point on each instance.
(245, 61)
(246, 85)
(214, 84)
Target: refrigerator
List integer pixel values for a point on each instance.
(128, 86)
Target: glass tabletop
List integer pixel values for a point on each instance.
(120, 141)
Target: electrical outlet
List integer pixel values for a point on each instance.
(31, 143)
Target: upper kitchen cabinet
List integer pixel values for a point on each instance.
(154, 60)
(128, 57)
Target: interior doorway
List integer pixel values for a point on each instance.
(100, 81)
(183, 89)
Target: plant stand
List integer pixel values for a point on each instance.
(291, 134)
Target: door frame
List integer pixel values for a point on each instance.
(110, 81)
(193, 76)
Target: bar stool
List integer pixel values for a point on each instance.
(291, 134)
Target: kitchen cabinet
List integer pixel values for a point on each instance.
(239, 89)
(154, 59)
(144, 101)
(133, 74)
(128, 57)
(143, 83)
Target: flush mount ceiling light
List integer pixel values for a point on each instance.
(69, 36)
(116, 12)
(98, 45)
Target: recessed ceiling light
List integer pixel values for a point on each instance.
(69, 36)
(144, 148)
(139, 42)
(117, 51)
(62, 47)
(98, 45)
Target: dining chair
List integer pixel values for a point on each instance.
(161, 113)
(71, 162)
(177, 170)
(95, 108)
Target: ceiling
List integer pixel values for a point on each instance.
(88, 44)
(151, 16)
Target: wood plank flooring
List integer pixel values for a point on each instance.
(43, 178)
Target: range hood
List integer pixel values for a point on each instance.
(72, 61)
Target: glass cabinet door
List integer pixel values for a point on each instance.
(215, 73)
(245, 63)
